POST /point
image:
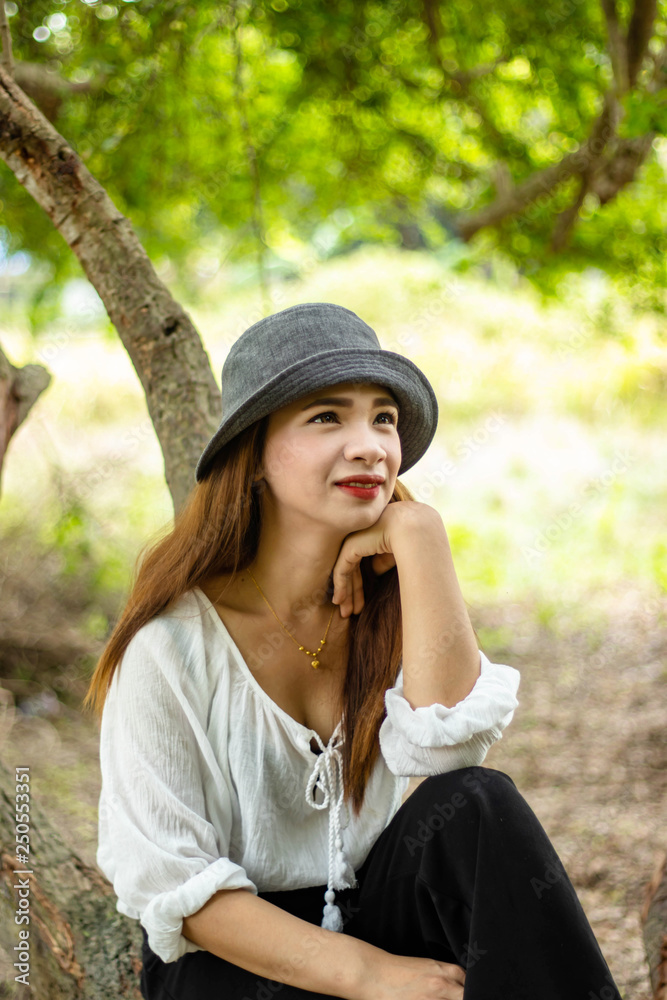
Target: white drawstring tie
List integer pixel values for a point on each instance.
(327, 775)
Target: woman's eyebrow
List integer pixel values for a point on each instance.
(344, 401)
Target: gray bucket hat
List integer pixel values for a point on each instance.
(309, 346)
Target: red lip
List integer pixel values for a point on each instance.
(360, 479)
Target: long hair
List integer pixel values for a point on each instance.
(217, 531)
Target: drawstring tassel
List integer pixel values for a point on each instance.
(327, 775)
(333, 918)
(340, 865)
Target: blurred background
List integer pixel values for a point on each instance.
(488, 193)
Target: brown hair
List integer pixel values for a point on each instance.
(217, 531)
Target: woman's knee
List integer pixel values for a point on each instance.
(463, 782)
(453, 804)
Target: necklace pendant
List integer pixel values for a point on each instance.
(315, 662)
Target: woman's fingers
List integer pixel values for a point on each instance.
(349, 587)
(340, 592)
(455, 992)
(454, 972)
(345, 586)
(350, 595)
(347, 579)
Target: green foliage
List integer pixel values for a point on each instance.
(86, 561)
(644, 113)
(225, 131)
(71, 537)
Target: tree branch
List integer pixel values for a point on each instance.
(610, 174)
(618, 51)
(605, 163)
(605, 176)
(19, 391)
(640, 30)
(566, 220)
(7, 60)
(544, 181)
(433, 22)
(182, 397)
(621, 168)
(47, 88)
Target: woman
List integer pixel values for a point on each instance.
(291, 653)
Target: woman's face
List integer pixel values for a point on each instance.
(348, 429)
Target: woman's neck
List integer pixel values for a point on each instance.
(293, 571)
(291, 601)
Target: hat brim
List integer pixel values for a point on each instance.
(418, 406)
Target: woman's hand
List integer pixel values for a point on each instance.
(406, 978)
(378, 541)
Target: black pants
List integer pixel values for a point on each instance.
(463, 873)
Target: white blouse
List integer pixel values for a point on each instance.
(208, 784)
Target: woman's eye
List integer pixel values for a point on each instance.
(392, 418)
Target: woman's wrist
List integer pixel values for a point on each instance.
(366, 965)
(416, 525)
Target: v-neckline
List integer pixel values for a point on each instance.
(247, 672)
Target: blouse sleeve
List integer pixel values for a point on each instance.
(157, 843)
(434, 739)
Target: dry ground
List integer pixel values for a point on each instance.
(586, 748)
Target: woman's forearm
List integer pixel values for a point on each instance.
(248, 931)
(441, 660)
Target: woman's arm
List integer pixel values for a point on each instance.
(449, 703)
(441, 659)
(248, 931)
(242, 928)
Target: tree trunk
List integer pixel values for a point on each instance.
(19, 390)
(164, 346)
(654, 929)
(79, 946)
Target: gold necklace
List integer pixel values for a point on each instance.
(315, 662)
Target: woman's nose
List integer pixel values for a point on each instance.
(363, 443)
